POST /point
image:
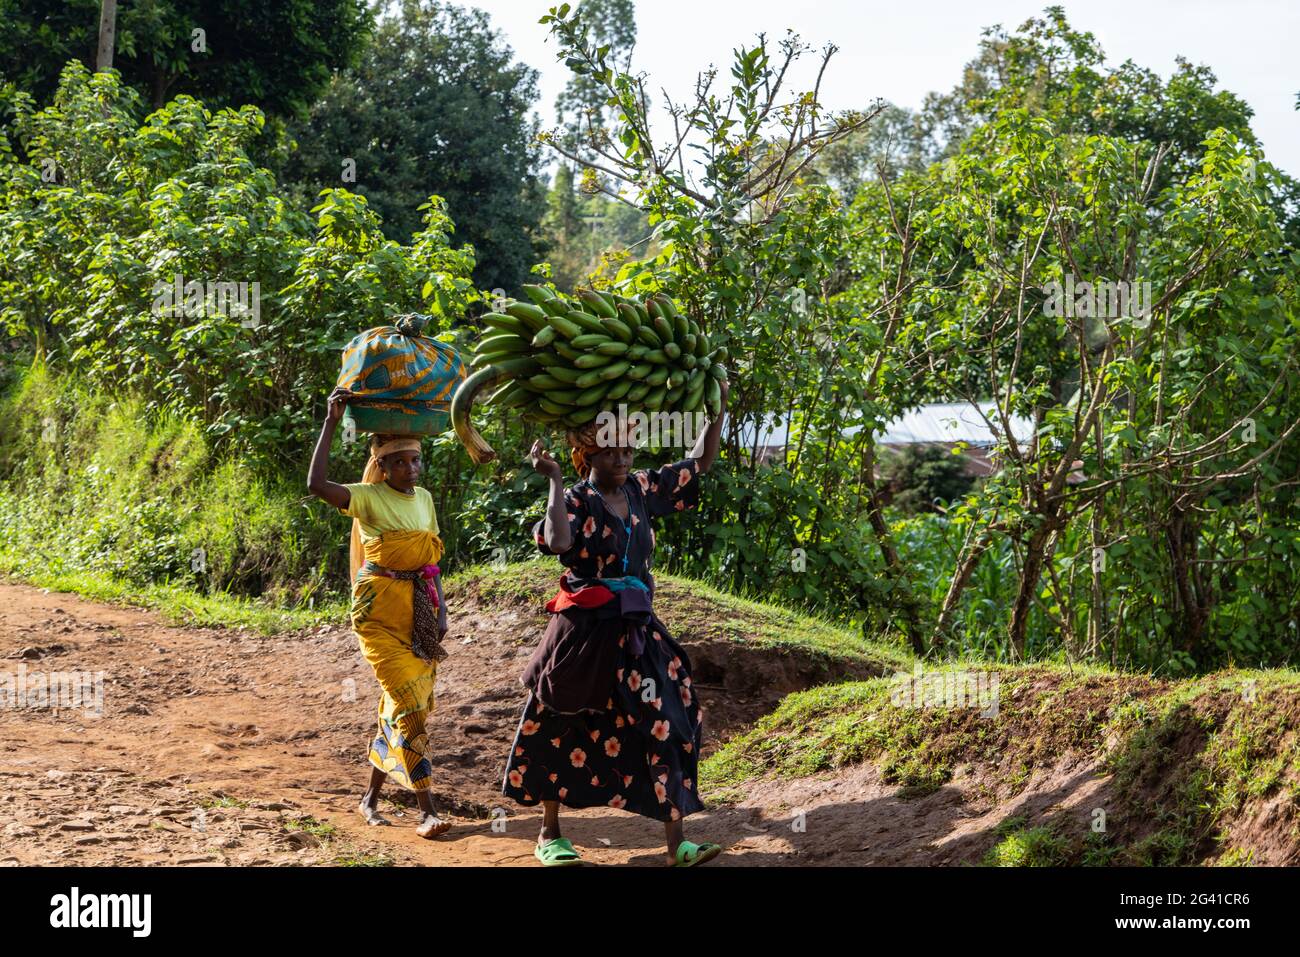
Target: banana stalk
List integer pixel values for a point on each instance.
(463, 401)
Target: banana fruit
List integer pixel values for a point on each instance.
(561, 360)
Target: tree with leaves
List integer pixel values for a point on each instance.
(438, 104)
(590, 224)
(141, 208)
(1050, 68)
(899, 141)
(276, 55)
(589, 233)
(1165, 443)
(582, 106)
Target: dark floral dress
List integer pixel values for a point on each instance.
(634, 742)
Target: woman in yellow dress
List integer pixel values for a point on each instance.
(398, 613)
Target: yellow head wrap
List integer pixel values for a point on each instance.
(380, 445)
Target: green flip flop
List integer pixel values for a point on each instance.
(689, 855)
(557, 853)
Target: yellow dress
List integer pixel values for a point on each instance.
(382, 620)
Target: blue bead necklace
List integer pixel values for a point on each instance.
(627, 525)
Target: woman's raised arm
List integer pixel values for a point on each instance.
(558, 537)
(318, 482)
(706, 449)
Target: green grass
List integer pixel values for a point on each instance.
(1237, 857)
(222, 801)
(771, 625)
(1243, 728)
(363, 860)
(121, 503)
(178, 604)
(833, 726)
(310, 825)
(1021, 846)
(819, 729)
(346, 855)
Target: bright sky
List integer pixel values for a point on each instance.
(901, 51)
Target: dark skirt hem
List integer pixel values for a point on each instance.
(573, 806)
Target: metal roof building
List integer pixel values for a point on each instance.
(950, 422)
(937, 423)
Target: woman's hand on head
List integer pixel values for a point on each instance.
(338, 401)
(318, 482)
(544, 463)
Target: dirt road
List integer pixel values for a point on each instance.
(220, 747)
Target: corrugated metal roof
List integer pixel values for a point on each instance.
(941, 422)
(952, 422)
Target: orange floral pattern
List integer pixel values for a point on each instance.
(612, 759)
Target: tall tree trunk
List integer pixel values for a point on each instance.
(1181, 539)
(107, 35)
(960, 579)
(902, 589)
(1036, 554)
(1097, 604)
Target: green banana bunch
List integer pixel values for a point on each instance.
(561, 360)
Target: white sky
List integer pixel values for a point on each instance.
(902, 50)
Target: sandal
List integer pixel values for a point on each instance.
(557, 853)
(689, 855)
(435, 829)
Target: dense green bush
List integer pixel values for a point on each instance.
(922, 478)
(108, 211)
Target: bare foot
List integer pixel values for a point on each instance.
(432, 826)
(371, 814)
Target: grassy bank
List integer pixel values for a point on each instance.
(117, 502)
(1200, 769)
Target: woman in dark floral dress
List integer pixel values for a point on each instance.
(611, 718)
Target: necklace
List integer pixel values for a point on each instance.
(627, 525)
